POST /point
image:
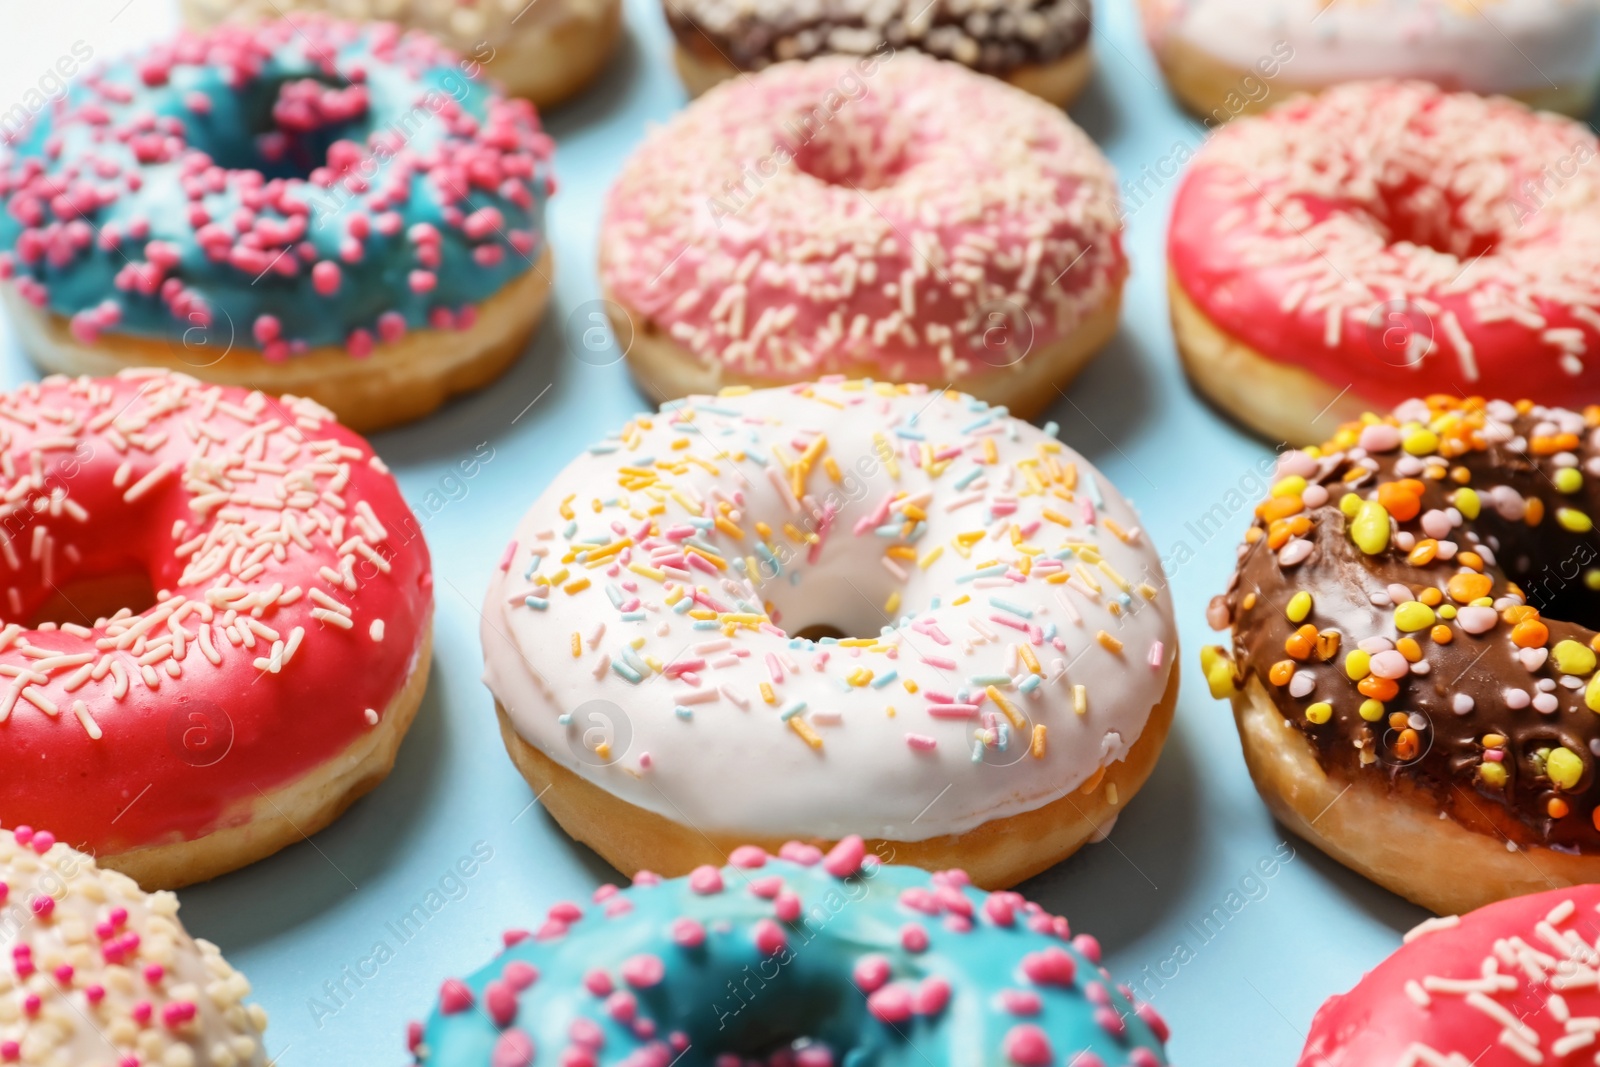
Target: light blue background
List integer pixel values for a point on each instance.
(1242, 992)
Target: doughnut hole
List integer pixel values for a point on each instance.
(850, 140)
(285, 127)
(91, 599)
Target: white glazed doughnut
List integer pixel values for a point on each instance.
(1005, 686)
(1226, 56)
(102, 974)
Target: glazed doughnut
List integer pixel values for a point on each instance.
(1412, 670)
(808, 612)
(901, 219)
(808, 959)
(216, 620)
(1222, 57)
(545, 51)
(102, 974)
(1512, 984)
(1385, 240)
(340, 212)
(1038, 45)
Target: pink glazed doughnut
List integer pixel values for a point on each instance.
(899, 218)
(1345, 252)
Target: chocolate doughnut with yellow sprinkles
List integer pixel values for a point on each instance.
(1413, 669)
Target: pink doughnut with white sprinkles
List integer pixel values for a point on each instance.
(894, 217)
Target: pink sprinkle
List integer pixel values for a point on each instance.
(931, 997)
(770, 938)
(891, 1004)
(267, 329)
(845, 858)
(455, 997)
(519, 975)
(705, 881)
(1154, 1021)
(506, 557)
(44, 906)
(423, 281)
(1086, 944)
(801, 853)
(598, 982)
(501, 1001)
(871, 973)
(565, 911)
(177, 1013)
(788, 907)
(1027, 1046)
(913, 938)
(513, 1049)
(326, 277)
(1109, 1020)
(1052, 966)
(42, 841)
(924, 743)
(687, 933)
(1021, 1002)
(1000, 909)
(748, 857)
(643, 971)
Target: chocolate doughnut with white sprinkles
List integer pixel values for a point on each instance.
(1038, 45)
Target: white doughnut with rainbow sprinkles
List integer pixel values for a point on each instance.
(1004, 685)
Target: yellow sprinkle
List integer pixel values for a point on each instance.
(603, 750)
(1005, 707)
(807, 734)
(1111, 793)
(1080, 700)
(1299, 606)
(910, 686)
(599, 555)
(1572, 657)
(646, 571)
(1218, 668)
(1569, 479)
(1029, 658)
(1350, 503)
(566, 507)
(1320, 712)
(1421, 442)
(1121, 582)
(680, 444)
(577, 644)
(1412, 616)
(730, 528)
(892, 605)
(577, 585)
(934, 553)
(636, 644)
(1036, 749)
(1148, 591)
(859, 677)
(1107, 642)
(1573, 520)
(1057, 517)
(1591, 694)
(832, 470)
(1467, 502)
(960, 600)
(1357, 664)
(1370, 528)
(767, 694)
(1293, 485)
(1372, 710)
(1564, 767)
(1493, 774)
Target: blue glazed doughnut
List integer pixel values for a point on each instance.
(282, 194)
(800, 961)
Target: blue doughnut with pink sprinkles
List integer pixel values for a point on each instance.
(293, 186)
(796, 960)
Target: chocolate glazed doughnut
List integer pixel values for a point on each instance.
(1038, 45)
(1413, 671)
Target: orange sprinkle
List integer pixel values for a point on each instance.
(1423, 553)
(1535, 513)
(1278, 507)
(1384, 689)
(1517, 612)
(1406, 745)
(1281, 672)
(1402, 499)
(1530, 633)
(1442, 634)
(1467, 587)
(1398, 720)
(1431, 596)
(1557, 808)
(1470, 559)
(1409, 648)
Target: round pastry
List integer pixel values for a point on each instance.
(336, 211)
(902, 219)
(545, 51)
(1412, 670)
(833, 609)
(215, 622)
(103, 974)
(1381, 241)
(1038, 45)
(806, 959)
(1509, 985)
(1224, 57)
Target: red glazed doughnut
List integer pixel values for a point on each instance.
(1509, 985)
(271, 679)
(1383, 240)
